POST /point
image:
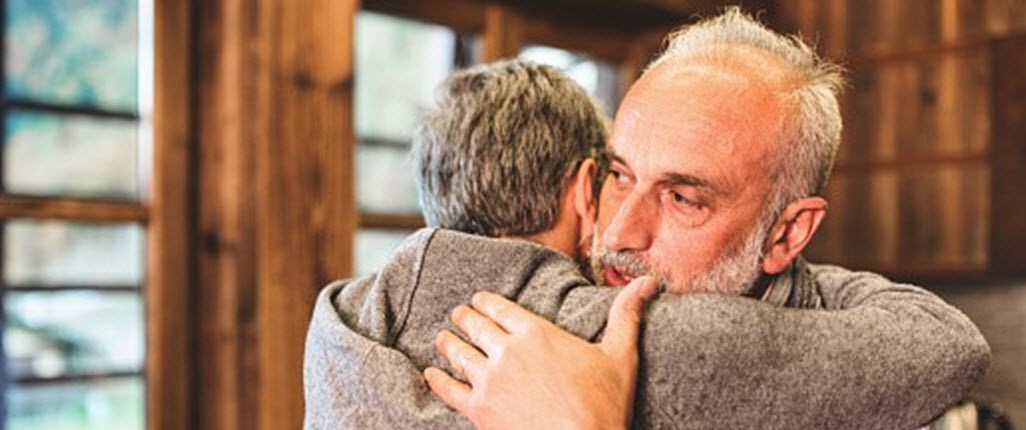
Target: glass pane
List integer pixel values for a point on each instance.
(57, 333)
(398, 65)
(70, 254)
(79, 52)
(373, 247)
(599, 78)
(385, 181)
(47, 154)
(110, 404)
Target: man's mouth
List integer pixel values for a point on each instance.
(616, 276)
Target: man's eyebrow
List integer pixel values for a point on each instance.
(613, 157)
(688, 180)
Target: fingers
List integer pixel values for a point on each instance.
(481, 331)
(464, 359)
(508, 315)
(621, 337)
(454, 393)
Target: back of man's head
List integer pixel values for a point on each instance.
(495, 152)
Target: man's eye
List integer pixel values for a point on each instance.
(681, 199)
(619, 176)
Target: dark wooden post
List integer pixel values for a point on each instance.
(275, 207)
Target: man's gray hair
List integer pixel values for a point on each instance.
(811, 127)
(495, 152)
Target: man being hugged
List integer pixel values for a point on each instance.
(718, 155)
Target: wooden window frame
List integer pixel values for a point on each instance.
(15, 206)
(170, 366)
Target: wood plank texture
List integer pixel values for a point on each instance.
(926, 149)
(464, 16)
(276, 208)
(391, 221)
(1008, 232)
(71, 209)
(503, 32)
(170, 356)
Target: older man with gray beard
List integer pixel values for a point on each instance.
(719, 155)
(509, 152)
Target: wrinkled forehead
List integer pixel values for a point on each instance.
(702, 114)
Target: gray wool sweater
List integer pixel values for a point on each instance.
(877, 355)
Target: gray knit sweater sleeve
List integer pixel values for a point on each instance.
(881, 356)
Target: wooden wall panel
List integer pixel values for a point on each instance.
(863, 30)
(305, 189)
(1004, 17)
(926, 218)
(860, 226)
(939, 213)
(275, 207)
(915, 192)
(170, 352)
(503, 32)
(225, 280)
(926, 109)
(1008, 158)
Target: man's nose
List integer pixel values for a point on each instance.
(632, 226)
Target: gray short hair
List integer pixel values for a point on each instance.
(811, 127)
(495, 152)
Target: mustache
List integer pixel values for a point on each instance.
(632, 263)
(628, 261)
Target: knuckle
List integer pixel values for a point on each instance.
(458, 314)
(502, 311)
(534, 330)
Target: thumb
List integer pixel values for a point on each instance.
(621, 337)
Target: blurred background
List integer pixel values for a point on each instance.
(179, 178)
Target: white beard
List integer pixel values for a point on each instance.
(733, 273)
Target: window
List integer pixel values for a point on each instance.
(74, 169)
(399, 63)
(600, 78)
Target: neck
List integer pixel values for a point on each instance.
(555, 238)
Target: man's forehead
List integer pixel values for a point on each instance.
(722, 140)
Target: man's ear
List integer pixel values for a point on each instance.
(792, 232)
(585, 203)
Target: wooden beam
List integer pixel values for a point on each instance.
(1008, 158)
(628, 16)
(306, 194)
(603, 42)
(276, 206)
(170, 364)
(71, 209)
(391, 221)
(464, 16)
(503, 32)
(226, 88)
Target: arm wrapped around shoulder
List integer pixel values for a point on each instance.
(882, 355)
